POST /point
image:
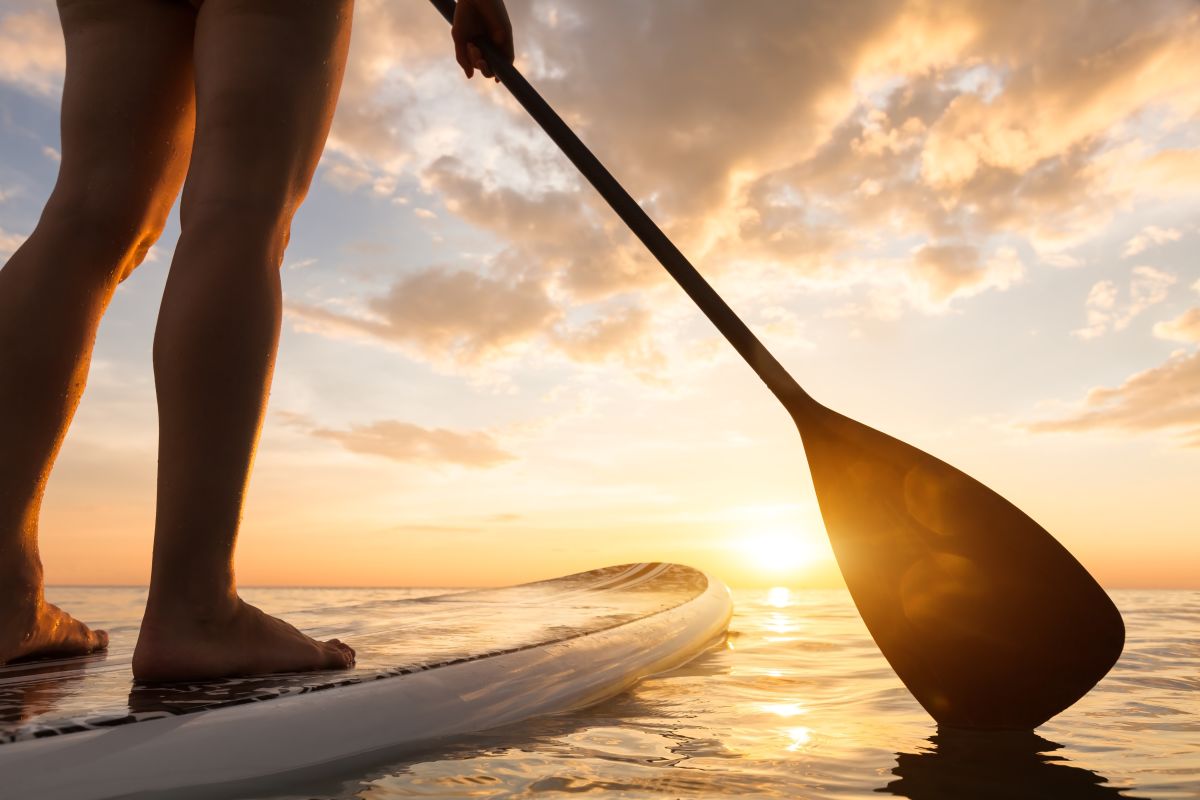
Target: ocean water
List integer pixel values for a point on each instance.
(798, 703)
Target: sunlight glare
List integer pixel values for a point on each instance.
(799, 737)
(779, 596)
(781, 623)
(779, 550)
(784, 710)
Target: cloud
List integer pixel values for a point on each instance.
(1165, 173)
(9, 242)
(453, 318)
(32, 56)
(1150, 235)
(444, 314)
(890, 167)
(403, 441)
(787, 70)
(950, 270)
(974, 125)
(1081, 86)
(1184, 328)
(1009, 129)
(1166, 397)
(1147, 287)
(622, 334)
(375, 126)
(776, 224)
(554, 233)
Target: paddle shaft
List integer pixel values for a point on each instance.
(717, 310)
(987, 619)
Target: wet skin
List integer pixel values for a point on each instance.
(232, 103)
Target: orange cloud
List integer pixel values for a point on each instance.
(32, 54)
(374, 128)
(403, 441)
(1163, 397)
(1184, 328)
(554, 233)
(1150, 236)
(462, 316)
(1167, 172)
(1147, 287)
(982, 125)
(1067, 89)
(621, 334)
(955, 270)
(406, 442)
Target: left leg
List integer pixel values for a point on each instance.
(126, 134)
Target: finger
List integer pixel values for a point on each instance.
(478, 60)
(461, 53)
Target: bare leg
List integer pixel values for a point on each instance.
(267, 77)
(126, 135)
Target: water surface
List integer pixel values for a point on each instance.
(798, 704)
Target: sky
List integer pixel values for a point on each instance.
(972, 225)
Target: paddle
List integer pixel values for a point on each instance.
(987, 619)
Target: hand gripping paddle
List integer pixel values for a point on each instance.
(987, 619)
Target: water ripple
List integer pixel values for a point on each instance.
(800, 704)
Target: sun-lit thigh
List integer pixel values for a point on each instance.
(267, 79)
(127, 110)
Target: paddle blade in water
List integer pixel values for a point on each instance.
(987, 619)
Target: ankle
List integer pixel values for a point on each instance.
(175, 608)
(21, 574)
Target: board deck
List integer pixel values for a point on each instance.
(428, 668)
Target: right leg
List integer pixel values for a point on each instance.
(267, 77)
(126, 136)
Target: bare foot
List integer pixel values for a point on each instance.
(31, 628)
(239, 640)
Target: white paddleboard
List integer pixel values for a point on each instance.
(428, 668)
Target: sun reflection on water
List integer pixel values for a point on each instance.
(728, 725)
(798, 737)
(784, 709)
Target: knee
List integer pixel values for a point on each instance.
(113, 231)
(253, 223)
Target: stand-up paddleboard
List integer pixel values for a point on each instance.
(428, 668)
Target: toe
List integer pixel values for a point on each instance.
(340, 655)
(98, 641)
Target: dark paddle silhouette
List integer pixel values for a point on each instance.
(987, 619)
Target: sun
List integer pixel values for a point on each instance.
(778, 550)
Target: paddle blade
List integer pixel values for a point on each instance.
(987, 619)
